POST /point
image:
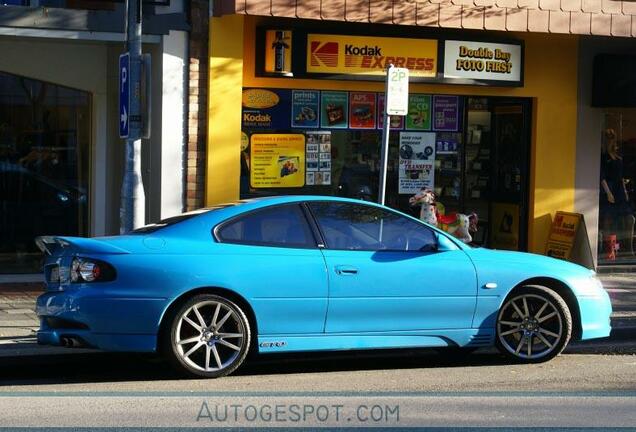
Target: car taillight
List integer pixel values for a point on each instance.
(91, 270)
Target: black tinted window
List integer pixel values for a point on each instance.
(360, 227)
(275, 226)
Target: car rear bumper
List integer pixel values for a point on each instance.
(86, 317)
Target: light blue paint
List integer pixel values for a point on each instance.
(313, 298)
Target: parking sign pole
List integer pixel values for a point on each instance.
(384, 151)
(133, 201)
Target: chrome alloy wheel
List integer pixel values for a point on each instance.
(210, 336)
(530, 327)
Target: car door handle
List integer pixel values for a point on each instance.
(346, 270)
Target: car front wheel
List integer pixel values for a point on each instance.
(533, 325)
(209, 337)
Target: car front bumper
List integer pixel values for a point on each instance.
(91, 317)
(595, 316)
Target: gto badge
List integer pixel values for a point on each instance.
(277, 344)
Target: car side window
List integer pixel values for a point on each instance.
(349, 226)
(281, 226)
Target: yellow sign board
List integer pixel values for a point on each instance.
(366, 55)
(563, 234)
(277, 160)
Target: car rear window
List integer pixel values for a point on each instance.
(180, 218)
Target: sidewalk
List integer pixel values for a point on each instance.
(18, 322)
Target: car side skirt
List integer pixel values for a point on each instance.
(352, 341)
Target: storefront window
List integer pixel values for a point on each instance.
(44, 146)
(472, 152)
(617, 192)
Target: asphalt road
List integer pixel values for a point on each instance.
(591, 385)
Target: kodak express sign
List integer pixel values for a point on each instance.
(366, 55)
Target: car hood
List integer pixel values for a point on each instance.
(508, 269)
(531, 260)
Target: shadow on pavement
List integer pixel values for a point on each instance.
(117, 367)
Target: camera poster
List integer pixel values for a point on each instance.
(277, 160)
(305, 108)
(417, 162)
(419, 116)
(362, 110)
(334, 109)
(318, 156)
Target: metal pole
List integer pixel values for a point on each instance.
(133, 200)
(384, 151)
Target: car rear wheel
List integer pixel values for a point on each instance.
(534, 325)
(209, 337)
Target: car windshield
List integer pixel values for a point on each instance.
(150, 228)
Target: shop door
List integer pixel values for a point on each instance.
(509, 177)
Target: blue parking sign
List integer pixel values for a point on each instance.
(124, 94)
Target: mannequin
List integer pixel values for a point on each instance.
(616, 212)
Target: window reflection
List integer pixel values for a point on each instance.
(44, 142)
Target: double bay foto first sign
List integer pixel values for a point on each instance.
(483, 61)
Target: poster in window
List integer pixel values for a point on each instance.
(419, 116)
(334, 109)
(266, 109)
(305, 108)
(396, 122)
(277, 160)
(445, 113)
(319, 159)
(504, 226)
(417, 162)
(362, 110)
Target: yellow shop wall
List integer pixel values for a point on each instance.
(550, 80)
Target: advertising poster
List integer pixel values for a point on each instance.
(305, 108)
(446, 113)
(318, 158)
(277, 160)
(334, 109)
(266, 109)
(504, 226)
(362, 110)
(397, 122)
(278, 51)
(563, 235)
(417, 162)
(419, 116)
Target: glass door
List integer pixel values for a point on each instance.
(509, 174)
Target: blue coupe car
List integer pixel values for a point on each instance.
(307, 273)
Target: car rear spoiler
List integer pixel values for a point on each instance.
(54, 245)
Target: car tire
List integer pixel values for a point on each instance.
(533, 325)
(209, 336)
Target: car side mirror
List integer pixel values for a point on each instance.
(444, 244)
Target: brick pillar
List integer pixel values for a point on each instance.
(197, 104)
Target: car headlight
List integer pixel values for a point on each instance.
(590, 286)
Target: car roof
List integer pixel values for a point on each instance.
(242, 206)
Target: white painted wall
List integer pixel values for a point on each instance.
(173, 113)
